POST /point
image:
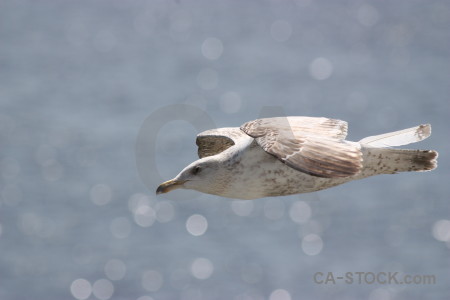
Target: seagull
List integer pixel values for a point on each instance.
(281, 156)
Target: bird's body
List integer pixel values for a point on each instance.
(258, 174)
(291, 155)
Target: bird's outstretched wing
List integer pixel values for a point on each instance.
(215, 141)
(314, 146)
(298, 127)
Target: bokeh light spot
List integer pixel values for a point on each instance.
(441, 230)
(242, 208)
(320, 68)
(300, 212)
(144, 216)
(137, 200)
(312, 244)
(196, 225)
(152, 280)
(280, 294)
(202, 268)
(81, 289)
(212, 48)
(115, 269)
(101, 194)
(103, 289)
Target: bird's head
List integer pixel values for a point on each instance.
(203, 175)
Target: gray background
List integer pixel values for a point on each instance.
(78, 79)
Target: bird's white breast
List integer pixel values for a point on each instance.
(256, 174)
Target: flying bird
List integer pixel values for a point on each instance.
(291, 155)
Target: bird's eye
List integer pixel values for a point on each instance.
(196, 170)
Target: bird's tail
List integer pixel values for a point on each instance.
(398, 138)
(380, 159)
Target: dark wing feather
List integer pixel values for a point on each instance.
(215, 141)
(315, 148)
(212, 145)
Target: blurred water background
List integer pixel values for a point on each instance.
(78, 79)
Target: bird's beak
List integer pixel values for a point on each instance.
(169, 185)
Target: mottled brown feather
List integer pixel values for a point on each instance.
(311, 145)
